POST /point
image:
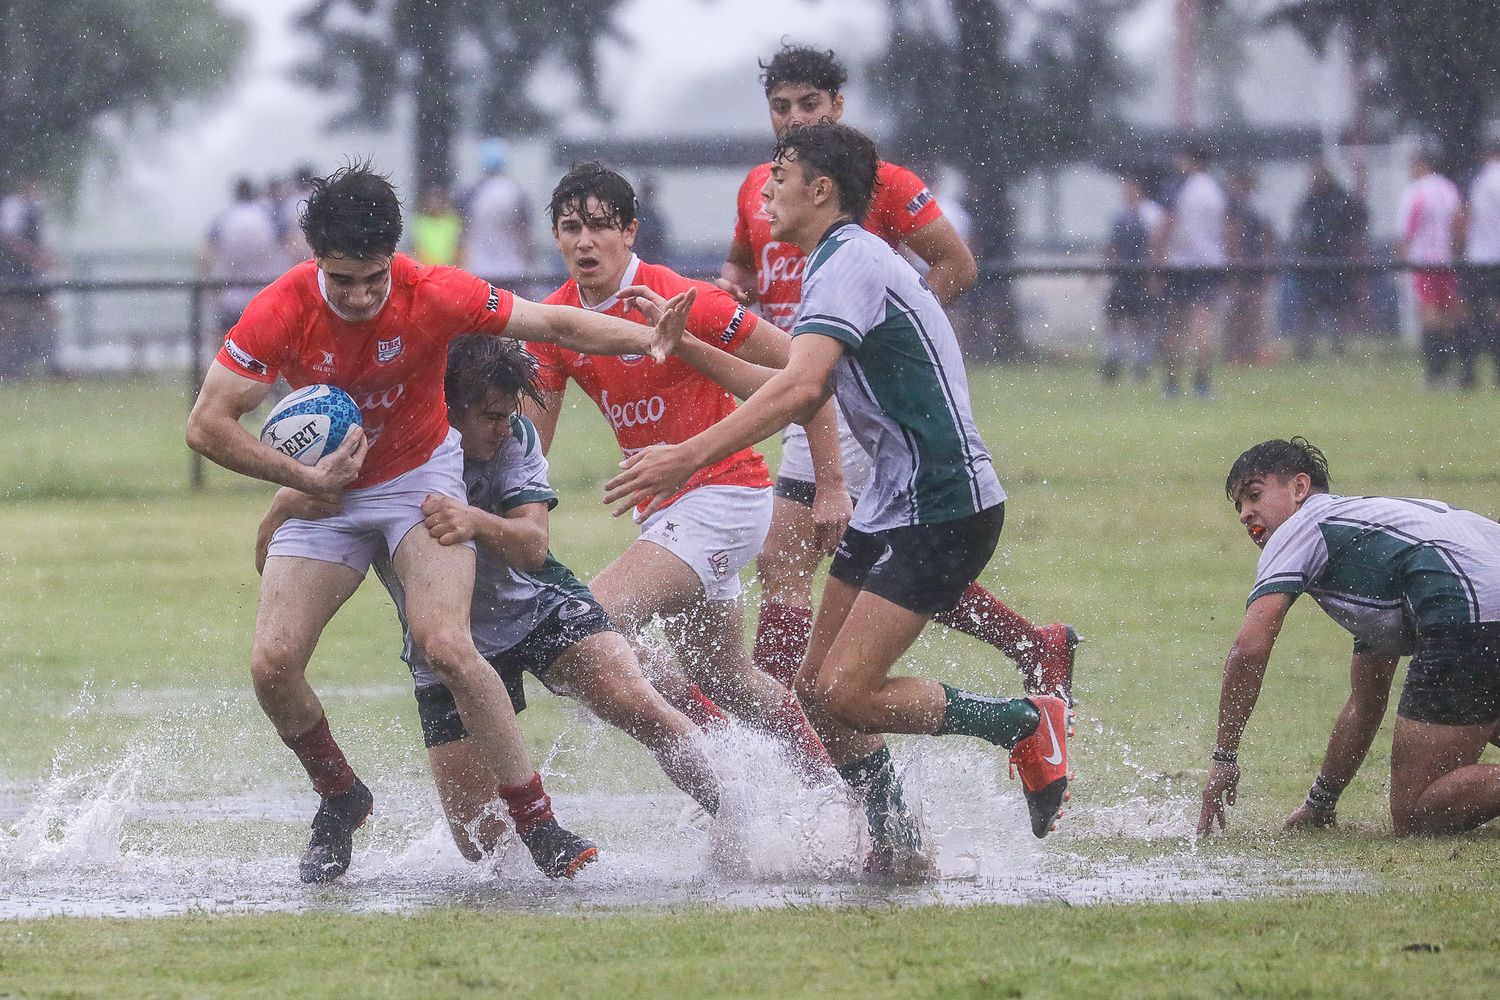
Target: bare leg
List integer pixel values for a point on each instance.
(467, 788)
(601, 672)
(789, 558)
(1437, 784)
(439, 582)
(298, 598)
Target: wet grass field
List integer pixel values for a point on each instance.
(138, 779)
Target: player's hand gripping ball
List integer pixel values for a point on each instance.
(310, 422)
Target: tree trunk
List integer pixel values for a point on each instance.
(436, 111)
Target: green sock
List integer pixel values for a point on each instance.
(1002, 721)
(874, 779)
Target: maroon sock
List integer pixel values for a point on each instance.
(789, 725)
(985, 617)
(527, 804)
(330, 772)
(781, 638)
(701, 710)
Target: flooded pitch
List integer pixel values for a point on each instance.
(147, 833)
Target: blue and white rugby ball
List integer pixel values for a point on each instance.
(310, 423)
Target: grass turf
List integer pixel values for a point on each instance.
(119, 587)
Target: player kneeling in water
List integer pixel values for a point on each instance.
(528, 613)
(1405, 577)
(871, 333)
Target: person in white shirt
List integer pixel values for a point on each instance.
(1482, 248)
(243, 245)
(496, 241)
(1193, 244)
(1428, 216)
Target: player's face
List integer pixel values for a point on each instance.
(802, 104)
(595, 250)
(1265, 503)
(789, 200)
(357, 286)
(485, 425)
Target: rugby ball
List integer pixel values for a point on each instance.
(310, 423)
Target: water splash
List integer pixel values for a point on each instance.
(171, 823)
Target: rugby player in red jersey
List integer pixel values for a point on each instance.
(377, 324)
(685, 567)
(805, 85)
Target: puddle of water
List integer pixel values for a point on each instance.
(166, 828)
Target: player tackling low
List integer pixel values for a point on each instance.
(1406, 577)
(803, 85)
(871, 332)
(375, 323)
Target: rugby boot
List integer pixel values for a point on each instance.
(332, 844)
(1053, 672)
(1041, 760)
(557, 852)
(897, 851)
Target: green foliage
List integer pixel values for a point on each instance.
(63, 63)
(476, 54)
(1434, 59)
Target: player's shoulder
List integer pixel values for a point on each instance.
(294, 291)
(850, 247)
(565, 295)
(661, 278)
(755, 179)
(524, 436)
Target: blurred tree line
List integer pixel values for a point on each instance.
(64, 63)
(1435, 63)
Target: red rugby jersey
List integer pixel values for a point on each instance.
(392, 364)
(648, 403)
(901, 206)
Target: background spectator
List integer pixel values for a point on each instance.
(245, 246)
(1194, 246)
(435, 228)
(653, 240)
(1329, 224)
(1249, 239)
(1428, 217)
(1482, 247)
(1132, 308)
(496, 239)
(25, 317)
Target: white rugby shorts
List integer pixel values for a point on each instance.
(377, 517)
(797, 463)
(717, 531)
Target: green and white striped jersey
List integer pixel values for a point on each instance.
(1386, 568)
(901, 383)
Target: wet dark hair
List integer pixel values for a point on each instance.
(841, 152)
(593, 179)
(354, 213)
(818, 68)
(479, 362)
(1282, 459)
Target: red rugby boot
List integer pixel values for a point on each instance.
(1041, 760)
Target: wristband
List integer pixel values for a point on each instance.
(1224, 756)
(1323, 796)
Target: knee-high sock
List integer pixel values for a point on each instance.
(781, 638)
(325, 763)
(984, 616)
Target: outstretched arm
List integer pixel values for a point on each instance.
(594, 333)
(1244, 672)
(1370, 676)
(788, 396)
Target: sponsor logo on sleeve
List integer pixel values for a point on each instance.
(734, 326)
(387, 350)
(492, 304)
(921, 201)
(244, 359)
